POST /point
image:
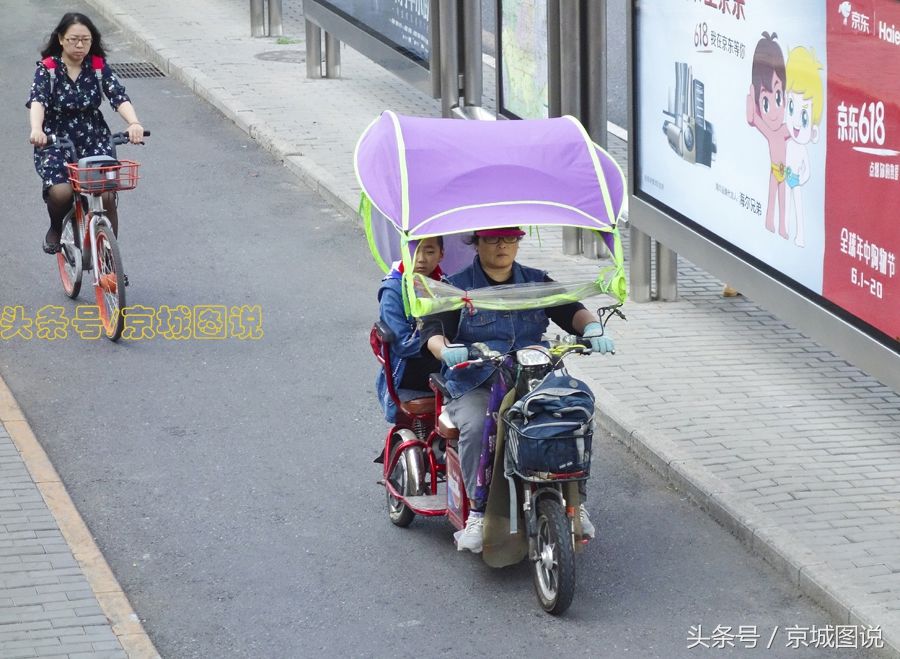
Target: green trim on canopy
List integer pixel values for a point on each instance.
(365, 212)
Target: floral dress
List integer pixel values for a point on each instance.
(73, 112)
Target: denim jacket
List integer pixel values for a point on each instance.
(407, 342)
(503, 331)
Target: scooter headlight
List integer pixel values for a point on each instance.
(533, 356)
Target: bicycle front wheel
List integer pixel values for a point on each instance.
(110, 287)
(68, 259)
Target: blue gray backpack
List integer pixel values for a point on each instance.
(551, 427)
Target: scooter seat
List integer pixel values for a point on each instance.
(418, 406)
(446, 429)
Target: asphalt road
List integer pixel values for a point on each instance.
(230, 483)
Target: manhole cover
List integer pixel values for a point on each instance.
(136, 70)
(287, 56)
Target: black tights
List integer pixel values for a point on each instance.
(59, 201)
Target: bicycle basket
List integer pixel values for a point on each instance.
(548, 448)
(102, 174)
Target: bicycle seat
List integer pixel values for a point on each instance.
(418, 406)
(446, 429)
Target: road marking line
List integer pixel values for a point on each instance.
(112, 599)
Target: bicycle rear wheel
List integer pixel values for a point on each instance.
(110, 287)
(68, 259)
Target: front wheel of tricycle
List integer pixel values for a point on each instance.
(404, 480)
(554, 567)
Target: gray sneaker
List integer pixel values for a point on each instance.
(471, 537)
(587, 529)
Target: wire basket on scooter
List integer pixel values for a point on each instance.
(550, 429)
(535, 450)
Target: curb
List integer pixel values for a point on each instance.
(112, 599)
(788, 557)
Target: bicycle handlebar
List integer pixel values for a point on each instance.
(116, 139)
(568, 343)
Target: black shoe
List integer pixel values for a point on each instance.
(51, 242)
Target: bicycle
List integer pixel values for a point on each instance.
(87, 241)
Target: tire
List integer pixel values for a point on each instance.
(554, 569)
(69, 257)
(398, 512)
(110, 288)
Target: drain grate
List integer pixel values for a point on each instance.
(136, 70)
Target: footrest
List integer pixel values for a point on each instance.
(429, 502)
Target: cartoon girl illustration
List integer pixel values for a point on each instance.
(805, 100)
(765, 111)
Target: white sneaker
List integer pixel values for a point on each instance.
(471, 537)
(587, 529)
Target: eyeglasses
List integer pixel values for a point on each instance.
(493, 240)
(74, 41)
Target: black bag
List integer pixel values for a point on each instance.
(550, 429)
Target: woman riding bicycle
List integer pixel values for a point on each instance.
(65, 99)
(449, 334)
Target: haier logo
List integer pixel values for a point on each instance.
(857, 21)
(889, 33)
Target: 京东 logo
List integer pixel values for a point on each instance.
(857, 21)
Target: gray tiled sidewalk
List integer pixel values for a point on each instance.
(793, 449)
(47, 608)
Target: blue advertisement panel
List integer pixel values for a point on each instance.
(402, 24)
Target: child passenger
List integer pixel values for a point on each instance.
(409, 365)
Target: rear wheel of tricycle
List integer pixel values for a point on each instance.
(554, 568)
(405, 479)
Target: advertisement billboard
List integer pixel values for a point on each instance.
(402, 24)
(522, 66)
(773, 129)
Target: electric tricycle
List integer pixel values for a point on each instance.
(425, 177)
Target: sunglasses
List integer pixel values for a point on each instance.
(493, 240)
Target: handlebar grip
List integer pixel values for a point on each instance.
(122, 137)
(472, 362)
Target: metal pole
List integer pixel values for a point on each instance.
(257, 14)
(434, 38)
(276, 28)
(332, 56)
(639, 268)
(472, 48)
(449, 56)
(666, 273)
(596, 95)
(570, 89)
(313, 50)
(553, 91)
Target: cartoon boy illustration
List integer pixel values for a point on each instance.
(765, 111)
(804, 112)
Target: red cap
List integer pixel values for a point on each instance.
(504, 231)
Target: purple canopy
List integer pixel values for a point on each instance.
(442, 176)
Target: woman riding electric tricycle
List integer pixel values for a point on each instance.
(503, 449)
